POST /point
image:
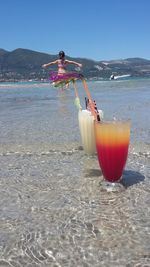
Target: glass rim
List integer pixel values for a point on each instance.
(117, 121)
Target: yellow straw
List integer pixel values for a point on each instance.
(77, 96)
(75, 88)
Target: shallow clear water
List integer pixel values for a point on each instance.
(53, 211)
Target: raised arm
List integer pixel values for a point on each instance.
(73, 62)
(50, 63)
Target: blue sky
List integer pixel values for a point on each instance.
(95, 29)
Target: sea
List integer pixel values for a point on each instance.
(53, 209)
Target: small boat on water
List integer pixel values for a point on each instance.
(116, 77)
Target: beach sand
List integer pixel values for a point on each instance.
(54, 211)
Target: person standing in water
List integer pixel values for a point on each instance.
(62, 63)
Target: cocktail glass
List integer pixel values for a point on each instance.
(87, 132)
(112, 142)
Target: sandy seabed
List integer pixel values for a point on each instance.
(54, 211)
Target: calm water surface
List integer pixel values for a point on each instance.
(53, 211)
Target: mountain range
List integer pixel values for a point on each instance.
(25, 64)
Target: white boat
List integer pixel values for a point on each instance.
(116, 77)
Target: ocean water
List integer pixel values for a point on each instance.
(53, 211)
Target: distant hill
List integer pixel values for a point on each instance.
(26, 64)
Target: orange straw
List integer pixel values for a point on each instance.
(93, 111)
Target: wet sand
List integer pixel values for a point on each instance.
(54, 211)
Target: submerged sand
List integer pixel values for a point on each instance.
(54, 212)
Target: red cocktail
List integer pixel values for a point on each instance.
(112, 142)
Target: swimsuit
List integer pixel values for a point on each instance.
(62, 65)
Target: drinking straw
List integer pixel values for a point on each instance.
(75, 89)
(92, 105)
(86, 102)
(77, 100)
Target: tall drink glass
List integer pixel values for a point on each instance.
(112, 142)
(86, 126)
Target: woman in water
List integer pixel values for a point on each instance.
(62, 62)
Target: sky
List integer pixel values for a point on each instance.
(93, 29)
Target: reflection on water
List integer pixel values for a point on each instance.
(53, 211)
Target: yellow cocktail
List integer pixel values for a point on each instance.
(86, 126)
